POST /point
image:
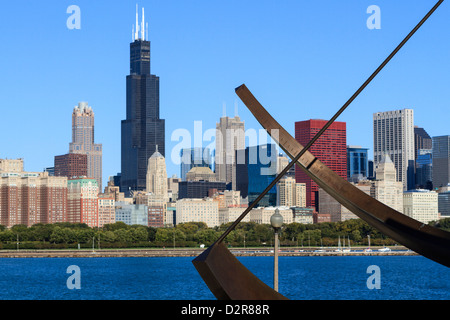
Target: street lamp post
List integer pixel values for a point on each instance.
(276, 220)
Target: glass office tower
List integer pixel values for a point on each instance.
(441, 161)
(261, 164)
(142, 131)
(357, 163)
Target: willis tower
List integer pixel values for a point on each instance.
(143, 132)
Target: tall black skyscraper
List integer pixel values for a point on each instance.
(142, 130)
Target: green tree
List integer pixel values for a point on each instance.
(356, 236)
(58, 235)
(108, 236)
(312, 237)
(163, 235)
(41, 232)
(84, 235)
(139, 234)
(123, 235)
(7, 236)
(115, 226)
(263, 233)
(206, 236)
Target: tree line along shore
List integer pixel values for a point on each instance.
(353, 232)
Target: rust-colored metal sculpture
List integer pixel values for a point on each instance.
(428, 241)
(227, 278)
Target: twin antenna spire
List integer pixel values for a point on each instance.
(143, 28)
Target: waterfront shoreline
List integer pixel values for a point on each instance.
(190, 252)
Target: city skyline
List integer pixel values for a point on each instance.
(201, 60)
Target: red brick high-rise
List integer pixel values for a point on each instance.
(330, 148)
(71, 165)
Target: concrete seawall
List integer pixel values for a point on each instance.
(185, 252)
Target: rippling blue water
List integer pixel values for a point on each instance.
(301, 278)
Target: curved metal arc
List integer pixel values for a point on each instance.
(328, 124)
(228, 279)
(430, 242)
(215, 263)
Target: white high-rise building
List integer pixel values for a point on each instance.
(421, 205)
(290, 193)
(157, 190)
(393, 134)
(157, 175)
(230, 136)
(386, 188)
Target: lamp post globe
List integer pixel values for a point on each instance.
(276, 220)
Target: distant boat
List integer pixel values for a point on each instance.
(339, 245)
(349, 248)
(368, 249)
(385, 249)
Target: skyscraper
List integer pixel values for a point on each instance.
(424, 169)
(357, 163)
(330, 148)
(230, 136)
(421, 140)
(393, 133)
(157, 190)
(157, 175)
(441, 161)
(142, 130)
(83, 140)
(386, 188)
(261, 170)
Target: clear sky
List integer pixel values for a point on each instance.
(301, 59)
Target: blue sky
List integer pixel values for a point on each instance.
(301, 59)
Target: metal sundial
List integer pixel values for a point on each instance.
(227, 278)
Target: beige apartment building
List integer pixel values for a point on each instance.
(262, 215)
(106, 210)
(290, 193)
(421, 205)
(82, 201)
(198, 210)
(230, 214)
(30, 197)
(227, 198)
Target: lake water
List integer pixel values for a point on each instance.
(301, 278)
